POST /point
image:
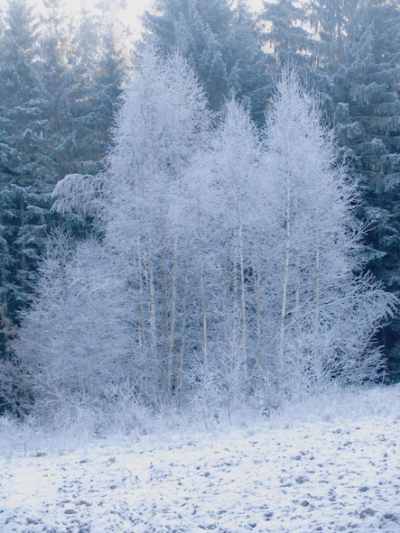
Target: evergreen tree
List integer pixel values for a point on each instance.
(82, 152)
(23, 232)
(19, 91)
(108, 83)
(96, 77)
(285, 33)
(57, 99)
(23, 229)
(367, 95)
(55, 104)
(331, 20)
(221, 44)
(19, 162)
(250, 68)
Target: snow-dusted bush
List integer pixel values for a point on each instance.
(74, 340)
(79, 195)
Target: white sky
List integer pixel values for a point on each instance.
(134, 8)
(130, 15)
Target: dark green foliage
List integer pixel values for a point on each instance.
(331, 20)
(285, 33)
(58, 93)
(222, 44)
(24, 219)
(55, 131)
(107, 89)
(22, 213)
(19, 93)
(366, 92)
(7, 331)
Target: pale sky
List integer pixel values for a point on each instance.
(131, 14)
(134, 8)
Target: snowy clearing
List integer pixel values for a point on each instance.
(299, 473)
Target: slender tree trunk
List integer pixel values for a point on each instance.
(205, 323)
(259, 299)
(243, 313)
(317, 291)
(140, 274)
(172, 340)
(317, 320)
(236, 313)
(183, 345)
(155, 363)
(285, 285)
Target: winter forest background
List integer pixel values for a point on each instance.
(207, 219)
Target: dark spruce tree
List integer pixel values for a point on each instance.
(108, 83)
(221, 43)
(23, 231)
(96, 78)
(19, 93)
(331, 20)
(58, 93)
(366, 92)
(21, 225)
(285, 33)
(54, 73)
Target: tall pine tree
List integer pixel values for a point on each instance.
(331, 21)
(222, 45)
(21, 209)
(366, 90)
(19, 92)
(57, 98)
(285, 33)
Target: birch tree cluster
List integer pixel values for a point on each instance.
(230, 269)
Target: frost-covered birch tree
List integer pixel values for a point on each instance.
(330, 312)
(163, 121)
(226, 225)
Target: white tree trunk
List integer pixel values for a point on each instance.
(182, 349)
(205, 323)
(243, 313)
(317, 359)
(285, 285)
(155, 363)
(172, 340)
(140, 274)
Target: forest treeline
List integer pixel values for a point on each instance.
(60, 92)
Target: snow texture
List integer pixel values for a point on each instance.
(291, 473)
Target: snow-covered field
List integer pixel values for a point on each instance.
(330, 467)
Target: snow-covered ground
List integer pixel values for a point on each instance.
(329, 468)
